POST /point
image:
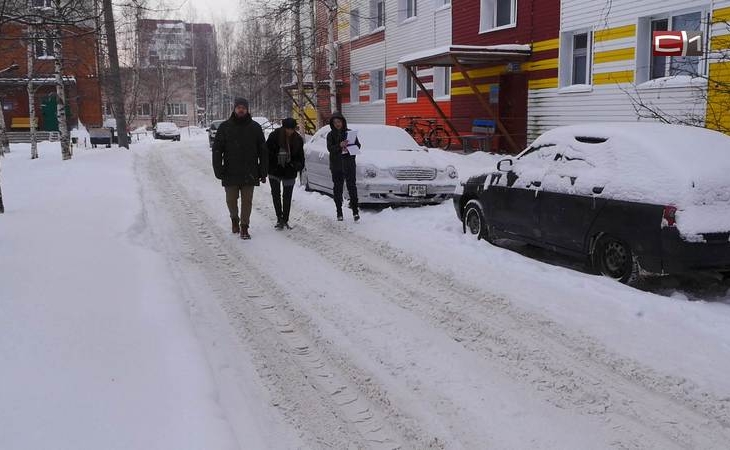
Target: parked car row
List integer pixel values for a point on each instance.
(629, 198)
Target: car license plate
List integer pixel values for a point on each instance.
(416, 190)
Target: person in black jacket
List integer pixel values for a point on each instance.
(286, 159)
(342, 164)
(241, 162)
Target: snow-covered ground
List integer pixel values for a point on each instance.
(132, 318)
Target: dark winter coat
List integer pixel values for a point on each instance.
(240, 156)
(334, 137)
(277, 140)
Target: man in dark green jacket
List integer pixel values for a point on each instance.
(241, 162)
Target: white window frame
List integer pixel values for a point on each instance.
(378, 17)
(442, 4)
(354, 22)
(441, 83)
(177, 109)
(567, 57)
(406, 7)
(644, 57)
(488, 16)
(407, 93)
(354, 89)
(377, 85)
(141, 109)
(43, 4)
(44, 44)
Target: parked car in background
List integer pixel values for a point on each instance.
(166, 130)
(632, 198)
(266, 125)
(111, 125)
(392, 168)
(212, 130)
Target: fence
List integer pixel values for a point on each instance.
(421, 127)
(23, 137)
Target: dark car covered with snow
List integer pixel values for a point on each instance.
(631, 197)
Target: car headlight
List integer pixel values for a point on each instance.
(369, 171)
(451, 172)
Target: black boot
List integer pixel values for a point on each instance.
(235, 228)
(279, 224)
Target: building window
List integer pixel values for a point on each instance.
(377, 85)
(497, 13)
(108, 110)
(575, 58)
(407, 9)
(666, 66)
(407, 87)
(43, 3)
(44, 48)
(177, 109)
(355, 88)
(442, 3)
(411, 6)
(354, 22)
(580, 63)
(377, 12)
(441, 82)
(143, 109)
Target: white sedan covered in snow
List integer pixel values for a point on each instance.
(391, 168)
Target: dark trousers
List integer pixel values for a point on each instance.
(232, 193)
(282, 211)
(346, 175)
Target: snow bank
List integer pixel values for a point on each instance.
(97, 349)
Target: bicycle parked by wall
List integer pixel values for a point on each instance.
(426, 132)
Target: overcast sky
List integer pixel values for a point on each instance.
(206, 11)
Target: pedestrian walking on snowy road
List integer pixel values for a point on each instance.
(286, 159)
(342, 164)
(240, 161)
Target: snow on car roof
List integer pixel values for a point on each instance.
(383, 137)
(382, 145)
(649, 156)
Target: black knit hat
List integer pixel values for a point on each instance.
(240, 101)
(289, 123)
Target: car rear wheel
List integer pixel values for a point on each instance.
(613, 258)
(473, 219)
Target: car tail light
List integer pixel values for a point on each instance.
(669, 218)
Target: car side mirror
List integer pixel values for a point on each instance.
(505, 165)
(597, 190)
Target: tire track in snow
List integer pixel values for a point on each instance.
(571, 370)
(568, 369)
(322, 403)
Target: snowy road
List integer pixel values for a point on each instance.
(326, 337)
